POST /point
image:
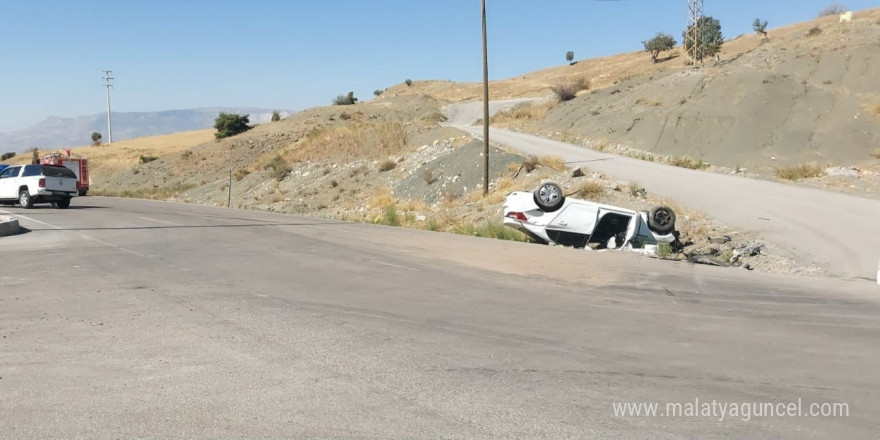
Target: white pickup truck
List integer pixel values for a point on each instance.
(30, 184)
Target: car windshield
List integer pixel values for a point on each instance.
(53, 171)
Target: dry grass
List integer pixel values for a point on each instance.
(688, 162)
(353, 140)
(799, 172)
(591, 190)
(159, 193)
(280, 168)
(522, 113)
(490, 229)
(552, 162)
(387, 165)
(381, 198)
(110, 158)
(876, 153)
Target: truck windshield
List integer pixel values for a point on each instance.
(53, 171)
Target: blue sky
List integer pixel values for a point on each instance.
(297, 54)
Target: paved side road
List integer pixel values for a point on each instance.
(837, 232)
(126, 318)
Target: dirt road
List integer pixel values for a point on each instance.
(837, 232)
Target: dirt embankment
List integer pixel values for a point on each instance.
(807, 96)
(391, 163)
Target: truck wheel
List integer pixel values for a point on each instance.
(25, 200)
(83, 192)
(62, 204)
(661, 220)
(549, 197)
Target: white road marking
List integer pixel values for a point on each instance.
(394, 265)
(110, 245)
(160, 221)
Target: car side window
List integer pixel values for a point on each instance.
(31, 170)
(9, 172)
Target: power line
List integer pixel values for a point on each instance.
(107, 84)
(692, 35)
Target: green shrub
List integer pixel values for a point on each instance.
(8, 155)
(815, 30)
(389, 216)
(230, 124)
(490, 229)
(147, 159)
(377, 92)
(276, 116)
(660, 43)
(348, 99)
(408, 82)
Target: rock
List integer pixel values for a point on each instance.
(719, 240)
(421, 218)
(852, 172)
(578, 172)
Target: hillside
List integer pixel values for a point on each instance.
(797, 98)
(58, 132)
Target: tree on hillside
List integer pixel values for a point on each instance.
(709, 38)
(569, 56)
(408, 82)
(660, 43)
(231, 124)
(833, 9)
(345, 99)
(96, 138)
(377, 92)
(276, 116)
(760, 27)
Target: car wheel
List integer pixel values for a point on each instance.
(549, 197)
(25, 200)
(661, 220)
(62, 204)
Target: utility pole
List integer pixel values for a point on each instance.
(692, 36)
(107, 84)
(485, 104)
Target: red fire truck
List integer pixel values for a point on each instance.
(78, 164)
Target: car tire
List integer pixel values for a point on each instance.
(662, 220)
(549, 197)
(25, 200)
(83, 192)
(63, 203)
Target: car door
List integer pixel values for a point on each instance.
(573, 226)
(7, 183)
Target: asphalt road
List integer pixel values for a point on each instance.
(834, 231)
(126, 318)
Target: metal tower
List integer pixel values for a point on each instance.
(695, 13)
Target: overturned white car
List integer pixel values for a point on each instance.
(549, 217)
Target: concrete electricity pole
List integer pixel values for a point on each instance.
(485, 104)
(107, 84)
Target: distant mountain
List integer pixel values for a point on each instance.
(56, 132)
